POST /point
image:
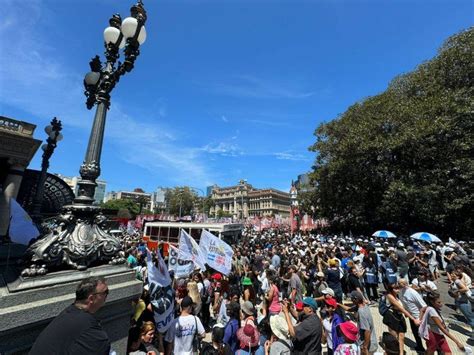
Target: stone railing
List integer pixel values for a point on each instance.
(18, 127)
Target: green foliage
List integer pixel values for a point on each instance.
(403, 159)
(125, 204)
(181, 199)
(222, 213)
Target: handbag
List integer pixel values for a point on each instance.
(196, 340)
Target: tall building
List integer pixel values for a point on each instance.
(243, 200)
(158, 199)
(209, 190)
(99, 194)
(138, 195)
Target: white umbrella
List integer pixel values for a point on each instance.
(384, 234)
(425, 237)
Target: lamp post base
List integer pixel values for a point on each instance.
(78, 241)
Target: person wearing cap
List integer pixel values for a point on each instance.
(350, 333)
(368, 336)
(306, 334)
(333, 278)
(330, 323)
(249, 293)
(181, 333)
(279, 342)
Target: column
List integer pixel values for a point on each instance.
(11, 187)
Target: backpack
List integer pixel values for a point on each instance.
(383, 307)
(206, 294)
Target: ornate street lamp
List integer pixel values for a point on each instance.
(54, 136)
(79, 240)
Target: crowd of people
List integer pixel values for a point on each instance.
(302, 294)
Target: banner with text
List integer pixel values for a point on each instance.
(190, 250)
(181, 268)
(161, 293)
(217, 253)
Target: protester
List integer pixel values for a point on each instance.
(183, 330)
(76, 330)
(350, 334)
(433, 328)
(330, 324)
(217, 346)
(365, 322)
(413, 302)
(280, 342)
(306, 334)
(232, 326)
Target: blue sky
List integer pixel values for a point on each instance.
(222, 90)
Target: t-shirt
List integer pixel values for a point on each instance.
(402, 259)
(295, 283)
(431, 312)
(182, 331)
(353, 282)
(279, 348)
(327, 324)
(366, 322)
(276, 261)
(308, 336)
(73, 331)
(347, 349)
(412, 301)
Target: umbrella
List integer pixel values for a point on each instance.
(384, 234)
(425, 237)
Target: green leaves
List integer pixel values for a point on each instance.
(403, 159)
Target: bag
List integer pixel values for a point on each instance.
(383, 307)
(196, 340)
(205, 294)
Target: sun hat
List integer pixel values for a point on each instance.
(350, 330)
(328, 291)
(310, 302)
(320, 274)
(246, 281)
(248, 336)
(279, 327)
(331, 302)
(248, 308)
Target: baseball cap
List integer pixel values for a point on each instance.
(331, 302)
(357, 296)
(310, 302)
(328, 291)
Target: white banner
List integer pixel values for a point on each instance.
(161, 293)
(217, 253)
(190, 250)
(181, 268)
(22, 228)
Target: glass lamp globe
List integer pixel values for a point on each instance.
(92, 78)
(59, 137)
(142, 35)
(111, 35)
(129, 27)
(48, 129)
(44, 147)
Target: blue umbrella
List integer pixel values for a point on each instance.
(425, 237)
(384, 234)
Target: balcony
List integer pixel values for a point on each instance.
(16, 127)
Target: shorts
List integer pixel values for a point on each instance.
(437, 342)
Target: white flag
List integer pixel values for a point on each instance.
(218, 254)
(190, 250)
(181, 268)
(161, 293)
(22, 229)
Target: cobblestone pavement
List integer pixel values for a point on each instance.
(456, 323)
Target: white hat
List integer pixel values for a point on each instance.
(328, 291)
(279, 327)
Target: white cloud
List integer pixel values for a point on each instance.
(288, 155)
(224, 119)
(223, 148)
(253, 87)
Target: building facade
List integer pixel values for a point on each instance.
(143, 198)
(17, 148)
(158, 200)
(99, 194)
(243, 200)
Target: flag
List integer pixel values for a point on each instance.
(217, 253)
(190, 250)
(22, 229)
(161, 292)
(181, 268)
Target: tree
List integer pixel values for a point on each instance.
(403, 159)
(181, 200)
(123, 204)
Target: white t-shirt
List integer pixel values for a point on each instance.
(412, 301)
(428, 283)
(328, 328)
(182, 331)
